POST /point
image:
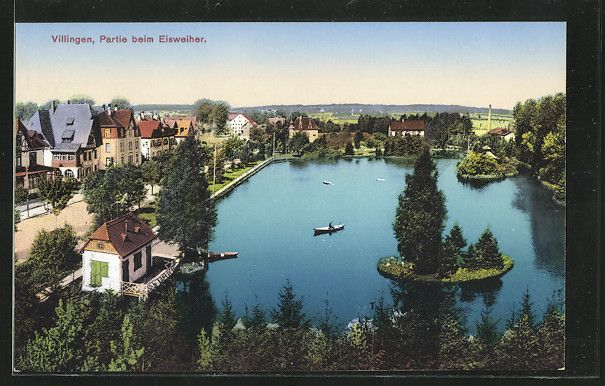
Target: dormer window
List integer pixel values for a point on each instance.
(69, 121)
(67, 136)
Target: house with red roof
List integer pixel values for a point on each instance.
(239, 124)
(306, 126)
(503, 133)
(118, 256)
(407, 127)
(120, 137)
(156, 138)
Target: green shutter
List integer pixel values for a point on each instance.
(98, 270)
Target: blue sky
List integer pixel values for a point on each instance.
(286, 63)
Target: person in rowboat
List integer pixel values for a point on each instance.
(330, 225)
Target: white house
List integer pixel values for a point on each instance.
(240, 125)
(503, 133)
(118, 256)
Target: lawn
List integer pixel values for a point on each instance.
(231, 175)
(480, 124)
(147, 213)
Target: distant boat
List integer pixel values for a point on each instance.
(328, 229)
(380, 179)
(214, 256)
(327, 182)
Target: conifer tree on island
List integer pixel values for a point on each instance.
(186, 213)
(420, 217)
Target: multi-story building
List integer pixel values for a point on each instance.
(239, 125)
(29, 156)
(156, 138)
(73, 136)
(407, 127)
(121, 139)
(306, 126)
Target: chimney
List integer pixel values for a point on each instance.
(115, 108)
(54, 106)
(489, 118)
(109, 109)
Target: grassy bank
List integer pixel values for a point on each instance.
(486, 177)
(392, 268)
(231, 175)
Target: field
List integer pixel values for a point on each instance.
(480, 124)
(341, 119)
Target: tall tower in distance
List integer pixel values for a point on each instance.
(489, 118)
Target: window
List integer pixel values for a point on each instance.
(107, 133)
(137, 260)
(69, 173)
(98, 270)
(130, 158)
(129, 145)
(165, 141)
(122, 159)
(95, 153)
(33, 158)
(108, 161)
(121, 146)
(100, 245)
(107, 148)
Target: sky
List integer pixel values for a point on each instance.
(251, 64)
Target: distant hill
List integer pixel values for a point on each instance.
(345, 108)
(357, 108)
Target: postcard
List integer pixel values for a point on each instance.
(290, 198)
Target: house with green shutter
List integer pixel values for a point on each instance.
(118, 256)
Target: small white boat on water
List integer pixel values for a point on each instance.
(380, 179)
(326, 182)
(328, 229)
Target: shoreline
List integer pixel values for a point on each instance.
(387, 267)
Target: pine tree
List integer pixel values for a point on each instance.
(326, 322)
(126, 357)
(487, 329)
(289, 310)
(456, 238)
(206, 349)
(451, 250)
(487, 251)
(552, 339)
(349, 150)
(420, 217)
(526, 308)
(226, 318)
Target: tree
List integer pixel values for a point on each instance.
(349, 149)
(288, 313)
(186, 213)
(226, 318)
(152, 172)
(58, 348)
(111, 193)
(487, 253)
(25, 304)
(126, 357)
(218, 116)
(487, 329)
(298, 142)
(452, 250)
(16, 218)
(81, 98)
(52, 253)
(358, 138)
(206, 349)
(57, 191)
(232, 148)
(24, 111)
(420, 217)
(120, 103)
(327, 323)
(257, 319)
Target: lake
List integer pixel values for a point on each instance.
(269, 220)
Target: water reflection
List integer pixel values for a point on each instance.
(547, 221)
(488, 289)
(475, 184)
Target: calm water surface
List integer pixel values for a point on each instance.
(270, 219)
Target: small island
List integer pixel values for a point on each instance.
(486, 166)
(418, 227)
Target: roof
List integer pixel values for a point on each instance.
(304, 123)
(126, 234)
(502, 131)
(232, 116)
(107, 120)
(123, 116)
(412, 125)
(66, 116)
(276, 120)
(33, 139)
(150, 128)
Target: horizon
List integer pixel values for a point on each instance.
(258, 64)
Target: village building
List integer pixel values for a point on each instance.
(121, 138)
(156, 138)
(29, 157)
(239, 124)
(183, 127)
(277, 121)
(73, 136)
(407, 127)
(502, 133)
(118, 256)
(306, 126)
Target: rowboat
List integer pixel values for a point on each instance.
(335, 228)
(327, 182)
(380, 179)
